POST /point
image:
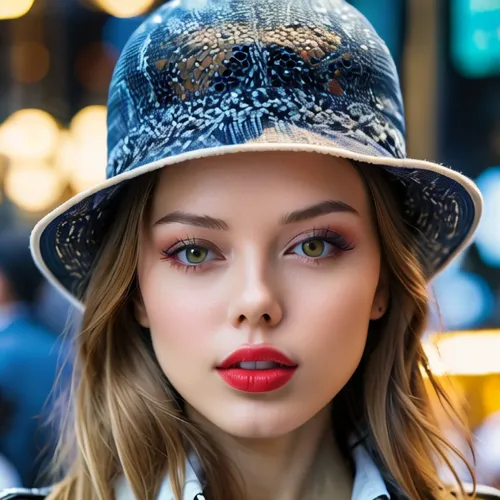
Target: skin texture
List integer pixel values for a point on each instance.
(259, 284)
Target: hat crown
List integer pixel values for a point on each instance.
(201, 78)
(201, 71)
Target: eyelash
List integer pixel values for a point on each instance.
(338, 241)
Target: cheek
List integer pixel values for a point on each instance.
(334, 316)
(179, 318)
(336, 326)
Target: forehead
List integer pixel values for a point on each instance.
(264, 181)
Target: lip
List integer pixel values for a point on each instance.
(256, 353)
(257, 380)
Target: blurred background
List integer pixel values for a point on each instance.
(56, 61)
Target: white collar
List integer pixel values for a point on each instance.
(368, 482)
(192, 488)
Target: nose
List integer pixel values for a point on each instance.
(255, 302)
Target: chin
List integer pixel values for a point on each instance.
(255, 429)
(257, 420)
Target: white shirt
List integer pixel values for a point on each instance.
(9, 478)
(368, 482)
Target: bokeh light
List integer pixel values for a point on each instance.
(488, 234)
(465, 299)
(34, 187)
(491, 395)
(11, 9)
(30, 62)
(125, 8)
(94, 66)
(464, 353)
(475, 41)
(88, 143)
(29, 134)
(64, 161)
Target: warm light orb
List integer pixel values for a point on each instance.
(125, 8)
(30, 61)
(464, 353)
(29, 135)
(91, 119)
(12, 9)
(64, 161)
(85, 153)
(33, 187)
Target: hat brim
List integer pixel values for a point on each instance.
(454, 200)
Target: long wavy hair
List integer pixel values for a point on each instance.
(127, 419)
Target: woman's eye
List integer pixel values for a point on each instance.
(314, 248)
(193, 255)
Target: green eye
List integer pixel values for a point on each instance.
(313, 248)
(196, 255)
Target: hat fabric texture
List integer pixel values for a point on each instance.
(202, 78)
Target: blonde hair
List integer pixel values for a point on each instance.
(127, 419)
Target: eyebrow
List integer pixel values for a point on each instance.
(311, 212)
(322, 208)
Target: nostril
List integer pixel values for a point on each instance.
(242, 318)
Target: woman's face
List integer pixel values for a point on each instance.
(259, 250)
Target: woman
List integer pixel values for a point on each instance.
(254, 269)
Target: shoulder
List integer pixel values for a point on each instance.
(30, 344)
(9, 477)
(482, 492)
(20, 329)
(30, 326)
(24, 494)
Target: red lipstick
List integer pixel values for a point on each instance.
(257, 369)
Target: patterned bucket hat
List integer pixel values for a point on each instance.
(208, 77)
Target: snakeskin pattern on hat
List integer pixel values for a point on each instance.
(225, 73)
(200, 76)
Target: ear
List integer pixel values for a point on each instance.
(381, 300)
(140, 312)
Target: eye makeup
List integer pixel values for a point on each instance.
(194, 253)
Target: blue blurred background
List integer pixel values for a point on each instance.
(56, 61)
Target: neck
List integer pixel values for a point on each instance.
(306, 463)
